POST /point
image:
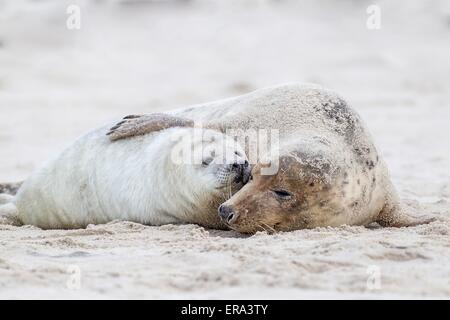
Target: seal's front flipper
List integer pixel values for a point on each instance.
(134, 125)
(393, 215)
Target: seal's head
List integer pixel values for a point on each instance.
(297, 196)
(200, 169)
(211, 159)
(194, 169)
(206, 167)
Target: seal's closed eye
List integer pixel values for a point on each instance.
(282, 194)
(206, 162)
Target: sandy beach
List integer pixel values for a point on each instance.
(142, 57)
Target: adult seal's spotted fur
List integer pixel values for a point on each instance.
(329, 171)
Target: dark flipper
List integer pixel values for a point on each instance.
(10, 188)
(134, 125)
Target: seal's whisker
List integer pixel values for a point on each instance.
(260, 226)
(270, 228)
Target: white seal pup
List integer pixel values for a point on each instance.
(175, 173)
(329, 171)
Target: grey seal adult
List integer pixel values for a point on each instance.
(329, 170)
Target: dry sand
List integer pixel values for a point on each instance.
(56, 84)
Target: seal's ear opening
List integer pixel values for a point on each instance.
(134, 125)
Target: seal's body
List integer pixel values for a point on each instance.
(329, 171)
(96, 181)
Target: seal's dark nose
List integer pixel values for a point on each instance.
(243, 171)
(246, 172)
(226, 214)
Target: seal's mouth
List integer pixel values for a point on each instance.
(242, 173)
(236, 173)
(248, 227)
(233, 222)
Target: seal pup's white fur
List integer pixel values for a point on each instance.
(96, 181)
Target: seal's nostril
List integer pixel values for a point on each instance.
(235, 165)
(226, 213)
(246, 163)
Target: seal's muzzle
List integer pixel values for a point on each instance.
(242, 171)
(227, 214)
